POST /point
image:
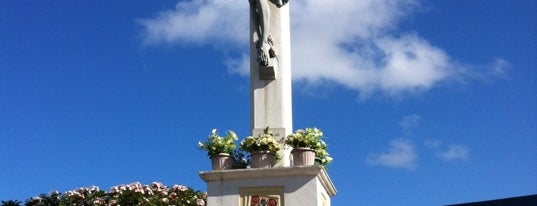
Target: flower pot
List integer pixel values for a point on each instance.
(262, 159)
(303, 156)
(221, 161)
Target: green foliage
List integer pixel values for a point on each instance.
(11, 203)
(241, 159)
(321, 154)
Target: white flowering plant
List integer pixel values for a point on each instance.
(216, 144)
(313, 139)
(135, 193)
(308, 137)
(321, 154)
(262, 142)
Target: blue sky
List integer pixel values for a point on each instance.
(422, 102)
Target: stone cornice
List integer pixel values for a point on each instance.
(277, 172)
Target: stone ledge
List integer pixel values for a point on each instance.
(276, 172)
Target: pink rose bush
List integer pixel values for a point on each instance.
(135, 193)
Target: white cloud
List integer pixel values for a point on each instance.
(240, 66)
(452, 153)
(499, 67)
(199, 21)
(352, 43)
(455, 152)
(401, 154)
(410, 121)
(432, 144)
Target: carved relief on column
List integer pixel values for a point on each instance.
(261, 196)
(269, 200)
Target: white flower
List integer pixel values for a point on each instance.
(165, 200)
(94, 188)
(68, 194)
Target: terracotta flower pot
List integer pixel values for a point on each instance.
(261, 159)
(221, 161)
(303, 156)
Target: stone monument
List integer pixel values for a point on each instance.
(270, 70)
(271, 106)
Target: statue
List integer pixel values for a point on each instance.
(261, 17)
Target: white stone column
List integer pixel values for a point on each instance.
(271, 103)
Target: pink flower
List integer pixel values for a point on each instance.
(136, 185)
(173, 195)
(99, 201)
(157, 186)
(200, 202)
(114, 189)
(164, 192)
(148, 191)
(181, 188)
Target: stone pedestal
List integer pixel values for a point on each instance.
(283, 186)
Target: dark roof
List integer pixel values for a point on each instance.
(530, 200)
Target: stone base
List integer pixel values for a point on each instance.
(291, 186)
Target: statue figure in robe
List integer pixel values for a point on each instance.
(261, 17)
